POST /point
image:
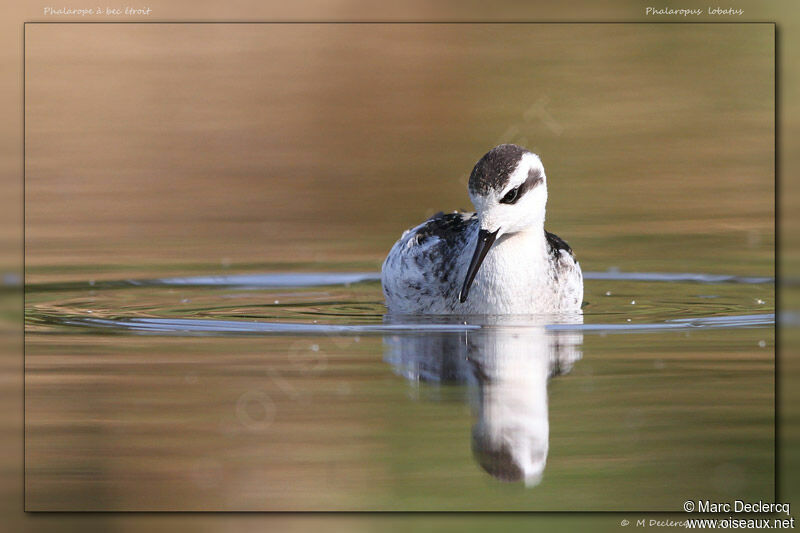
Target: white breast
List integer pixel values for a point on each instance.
(519, 276)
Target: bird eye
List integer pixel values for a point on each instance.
(511, 196)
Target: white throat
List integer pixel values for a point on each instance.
(513, 268)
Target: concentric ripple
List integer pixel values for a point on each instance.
(351, 303)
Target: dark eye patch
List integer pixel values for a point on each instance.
(511, 196)
(534, 179)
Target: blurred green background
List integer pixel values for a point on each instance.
(163, 148)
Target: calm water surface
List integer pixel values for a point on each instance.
(249, 392)
(207, 207)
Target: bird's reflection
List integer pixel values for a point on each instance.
(508, 364)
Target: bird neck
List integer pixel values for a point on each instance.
(521, 247)
(531, 237)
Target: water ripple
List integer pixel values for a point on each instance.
(325, 279)
(200, 327)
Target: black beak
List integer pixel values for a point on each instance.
(485, 241)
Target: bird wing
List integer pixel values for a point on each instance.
(423, 264)
(567, 271)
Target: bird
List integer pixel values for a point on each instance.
(498, 260)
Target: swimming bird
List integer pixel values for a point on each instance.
(498, 260)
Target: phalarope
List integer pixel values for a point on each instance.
(499, 260)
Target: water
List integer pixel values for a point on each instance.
(350, 315)
(207, 207)
(287, 391)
